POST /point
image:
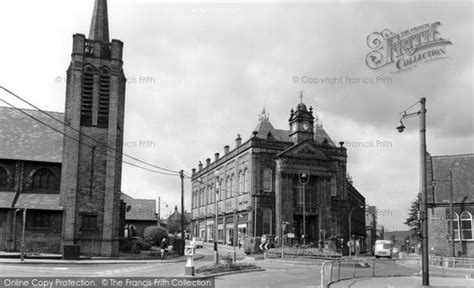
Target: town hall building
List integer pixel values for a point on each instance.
(257, 186)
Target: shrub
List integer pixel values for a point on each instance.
(206, 270)
(154, 234)
(304, 252)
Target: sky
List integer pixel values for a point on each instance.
(199, 73)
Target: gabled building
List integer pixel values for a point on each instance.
(140, 213)
(256, 186)
(461, 168)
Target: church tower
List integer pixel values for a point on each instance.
(92, 158)
(301, 123)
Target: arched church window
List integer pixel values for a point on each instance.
(87, 95)
(44, 179)
(104, 98)
(267, 180)
(3, 178)
(455, 225)
(466, 225)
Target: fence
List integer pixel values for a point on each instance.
(34, 246)
(337, 270)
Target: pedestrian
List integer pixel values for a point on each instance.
(163, 246)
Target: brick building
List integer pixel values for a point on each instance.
(257, 186)
(439, 216)
(73, 180)
(140, 213)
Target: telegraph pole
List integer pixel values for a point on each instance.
(183, 241)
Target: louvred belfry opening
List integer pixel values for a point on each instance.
(87, 96)
(104, 99)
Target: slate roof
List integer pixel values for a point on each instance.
(6, 199)
(462, 168)
(23, 138)
(140, 209)
(264, 126)
(39, 201)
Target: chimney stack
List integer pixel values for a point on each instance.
(226, 149)
(238, 141)
(216, 157)
(208, 162)
(200, 166)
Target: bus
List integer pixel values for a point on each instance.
(383, 248)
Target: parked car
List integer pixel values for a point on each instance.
(197, 242)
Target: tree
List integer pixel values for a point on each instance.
(413, 220)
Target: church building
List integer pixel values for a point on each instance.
(63, 171)
(296, 177)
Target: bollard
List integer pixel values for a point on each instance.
(373, 267)
(189, 269)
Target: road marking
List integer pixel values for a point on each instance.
(60, 268)
(125, 270)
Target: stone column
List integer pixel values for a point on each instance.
(278, 197)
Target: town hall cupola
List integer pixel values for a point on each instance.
(301, 123)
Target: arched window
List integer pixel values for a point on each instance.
(267, 221)
(466, 225)
(233, 185)
(3, 178)
(267, 180)
(247, 181)
(241, 182)
(229, 188)
(221, 187)
(213, 194)
(201, 197)
(44, 179)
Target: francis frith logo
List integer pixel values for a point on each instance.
(406, 49)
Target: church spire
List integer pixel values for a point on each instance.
(99, 30)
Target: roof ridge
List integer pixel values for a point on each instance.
(30, 109)
(454, 155)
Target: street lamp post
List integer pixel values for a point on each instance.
(424, 211)
(350, 228)
(304, 179)
(234, 257)
(183, 241)
(216, 253)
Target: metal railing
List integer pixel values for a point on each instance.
(34, 246)
(337, 270)
(343, 269)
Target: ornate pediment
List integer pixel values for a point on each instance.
(304, 150)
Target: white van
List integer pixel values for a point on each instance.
(383, 248)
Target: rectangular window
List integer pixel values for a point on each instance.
(38, 219)
(89, 222)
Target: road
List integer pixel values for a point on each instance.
(277, 273)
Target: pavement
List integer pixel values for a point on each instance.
(95, 260)
(395, 282)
